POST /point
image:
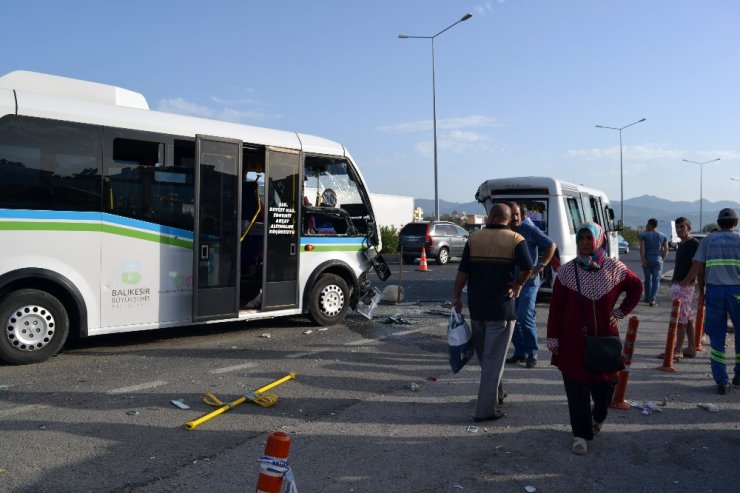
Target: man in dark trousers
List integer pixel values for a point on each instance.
(487, 267)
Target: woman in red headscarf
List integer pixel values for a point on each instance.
(588, 300)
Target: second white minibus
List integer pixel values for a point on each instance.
(557, 208)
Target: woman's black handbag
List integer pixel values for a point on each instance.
(601, 353)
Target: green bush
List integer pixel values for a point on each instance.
(389, 238)
(632, 237)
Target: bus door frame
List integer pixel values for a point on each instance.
(218, 297)
(281, 269)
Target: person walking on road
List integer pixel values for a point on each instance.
(717, 270)
(685, 294)
(585, 293)
(653, 250)
(487, 267)
(539, 245)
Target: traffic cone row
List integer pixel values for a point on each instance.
(670, 343)
(423, 261)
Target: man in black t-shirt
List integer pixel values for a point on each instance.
(684, 259)
(487, 267)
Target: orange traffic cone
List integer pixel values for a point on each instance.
(670, 343)
(618, 401)
(273, 465)
(699, 324)
(423, 261)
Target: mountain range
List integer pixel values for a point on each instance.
(636, 210)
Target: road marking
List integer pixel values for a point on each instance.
(21, 409)
(402, 333)
(362, 342)
(134, 388)
(301, 355)
(228, 369)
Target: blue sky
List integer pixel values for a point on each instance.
(520, 86)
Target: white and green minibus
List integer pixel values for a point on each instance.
(116, 218)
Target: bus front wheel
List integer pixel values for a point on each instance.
(36, 325)
(329, 300)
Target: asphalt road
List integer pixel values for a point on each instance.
(99, 416)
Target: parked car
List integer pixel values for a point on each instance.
(441, 240)
(624, 247)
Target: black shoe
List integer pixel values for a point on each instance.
(492, 417)
(515, 359)
(722, 389)
(502, 397)
(531, 362)
(735, 381)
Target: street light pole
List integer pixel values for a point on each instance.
(434, 105)
(621, 167)
(701, 187)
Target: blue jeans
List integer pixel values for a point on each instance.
(721, 300)
(525, 330)
(652, 272)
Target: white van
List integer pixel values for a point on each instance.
(668, 228)
(557, 208)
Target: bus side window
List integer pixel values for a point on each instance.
(575, 217)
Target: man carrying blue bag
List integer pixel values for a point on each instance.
(487, 267)
(459, 341)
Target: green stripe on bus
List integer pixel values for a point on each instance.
(334, 248)
(94, 227)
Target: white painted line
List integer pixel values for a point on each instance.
(134, 388)
(367, 342)
(301, 355)
(362, 342)
(227, 369)
(402, 333)
(21, 409)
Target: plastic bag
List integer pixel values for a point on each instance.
(459, 341)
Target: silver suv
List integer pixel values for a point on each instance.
(441, 239)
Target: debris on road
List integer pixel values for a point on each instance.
(414, 387)
(471, 429)
(179, 403)
(398, 319)
(309, 331)
(648, 407)
(266, 335)
(712, 408)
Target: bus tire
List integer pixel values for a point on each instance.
(443, 256)
(329, 301)
(35, 327)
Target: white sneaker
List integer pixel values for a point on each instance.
(580, 446)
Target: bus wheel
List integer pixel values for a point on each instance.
(329, 300)
(35, 327)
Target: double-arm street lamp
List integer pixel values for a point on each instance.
(621, 168)
(701, 187)
(434, 105)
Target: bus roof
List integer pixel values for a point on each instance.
(541, 185)
(62, 98)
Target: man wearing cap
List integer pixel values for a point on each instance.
(717, 269)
